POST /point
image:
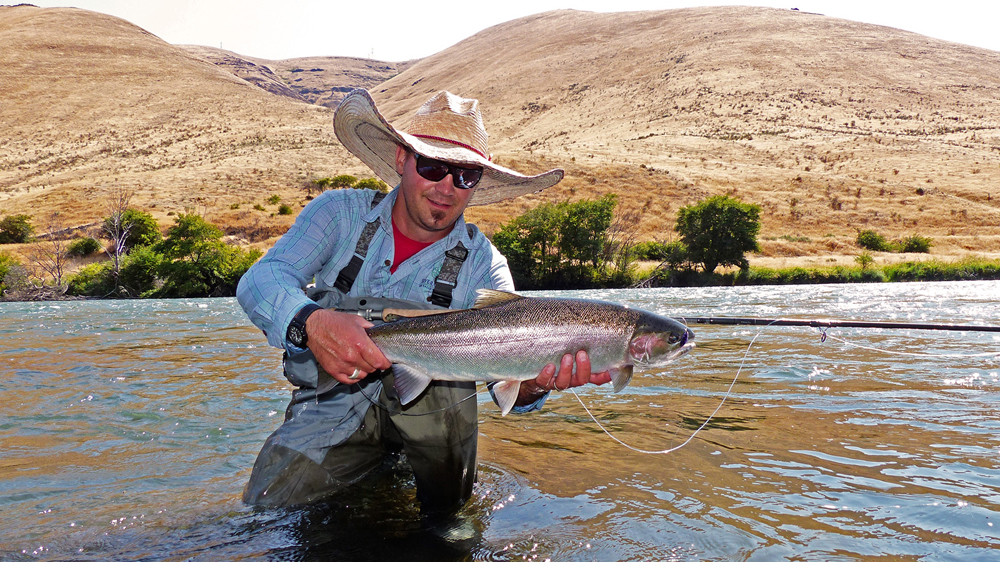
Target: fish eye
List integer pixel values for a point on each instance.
(673, 337)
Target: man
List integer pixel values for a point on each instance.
(411, 249)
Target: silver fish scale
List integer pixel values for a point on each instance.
(509, 341)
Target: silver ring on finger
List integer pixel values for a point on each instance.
(355, 374)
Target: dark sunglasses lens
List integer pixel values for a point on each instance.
(468, 177)
(433, 170)
(436, 170)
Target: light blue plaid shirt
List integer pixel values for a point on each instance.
(321, 243)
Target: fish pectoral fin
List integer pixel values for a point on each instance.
(506, 394)
(409, 382)
(620, 376)
(490, 297)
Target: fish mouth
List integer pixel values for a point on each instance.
(682, 350)
(653, 350)
(667, 358)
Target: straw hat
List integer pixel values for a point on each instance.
(447, 127)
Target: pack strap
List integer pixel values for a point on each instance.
(444, 283)
(346, 277)
(447, 279)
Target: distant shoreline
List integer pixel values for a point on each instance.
(971, 268)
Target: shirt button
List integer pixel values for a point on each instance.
(388, 263)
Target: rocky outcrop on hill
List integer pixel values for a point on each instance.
(316, 80)
(257, 74)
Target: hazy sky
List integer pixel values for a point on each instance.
(397, 31)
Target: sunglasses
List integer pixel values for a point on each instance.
(436, 170)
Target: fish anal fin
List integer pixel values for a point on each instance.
(409, 382)
(490, 297)
(621, 376)
(506, 394)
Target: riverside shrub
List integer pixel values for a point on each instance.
(16, 229)
(558, 244)
(82, 247)
(719, 230)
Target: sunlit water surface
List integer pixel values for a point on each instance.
(128, 429)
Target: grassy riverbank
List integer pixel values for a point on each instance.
(966, 269)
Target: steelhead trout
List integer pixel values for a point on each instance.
(507, 338)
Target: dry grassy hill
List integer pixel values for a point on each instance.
(92, 103)
(830, 125)
(318, 80)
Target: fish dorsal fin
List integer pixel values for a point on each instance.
(490, 297)
(393, 314)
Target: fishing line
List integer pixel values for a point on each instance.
(702, 426)
(910, 353)
(777, 321)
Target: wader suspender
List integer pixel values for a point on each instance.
(444, 284)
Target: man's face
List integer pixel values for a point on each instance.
(426, 210)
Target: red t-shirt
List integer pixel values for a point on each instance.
(405, 247)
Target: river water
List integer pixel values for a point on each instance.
(128, 429)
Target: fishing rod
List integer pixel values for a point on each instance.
(735, 321)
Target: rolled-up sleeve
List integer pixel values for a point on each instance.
(272, 290)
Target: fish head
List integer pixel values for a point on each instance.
(658, 340)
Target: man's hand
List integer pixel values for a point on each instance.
(563, 379)
(342, 347)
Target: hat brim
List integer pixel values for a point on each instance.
(366, 134)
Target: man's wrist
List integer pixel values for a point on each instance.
(529, 392)
(296, 335)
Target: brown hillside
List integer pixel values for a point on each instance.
(92, 103)
(319, 80)
(830, 125)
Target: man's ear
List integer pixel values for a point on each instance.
(401, 154)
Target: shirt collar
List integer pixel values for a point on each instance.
(383, 213)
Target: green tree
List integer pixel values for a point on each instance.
(719, 230)
(189, 235)
(7, 262)
(139, 276)
(16, 229)
(529, 243)
(197, 263)
(557, 243)
(583, 230)
(92, 280)
(138, 228)
(864, 259)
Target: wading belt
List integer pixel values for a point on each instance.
(444, 284)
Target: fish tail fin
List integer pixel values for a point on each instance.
(621, 376)
(409, 382)
(506, 394)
